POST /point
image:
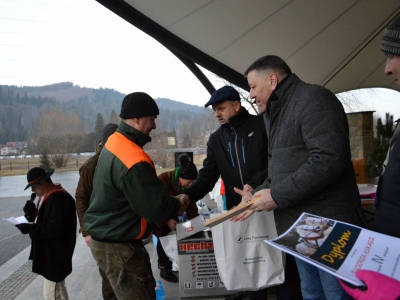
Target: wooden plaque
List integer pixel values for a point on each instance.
(231, 213)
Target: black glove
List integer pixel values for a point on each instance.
(24, 227)
(30, 211)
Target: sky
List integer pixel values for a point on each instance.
(50, 41)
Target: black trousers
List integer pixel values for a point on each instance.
(163, 259)
(289, 290)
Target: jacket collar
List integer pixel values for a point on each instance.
(275, 95)
(139, 138)
(99, 148)
(237, 119)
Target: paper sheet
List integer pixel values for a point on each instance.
(17, 220)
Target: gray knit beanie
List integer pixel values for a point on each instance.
(391, 38)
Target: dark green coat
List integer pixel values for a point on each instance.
(122, 196)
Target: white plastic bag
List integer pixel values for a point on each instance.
(170, 246)
(244, 261)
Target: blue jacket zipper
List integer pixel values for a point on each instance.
(230, 152)
(244, 157)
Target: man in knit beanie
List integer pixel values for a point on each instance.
(390, 45)
(388, 194)
(127, 200)
(387, 201)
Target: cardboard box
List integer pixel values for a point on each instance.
(198, 273)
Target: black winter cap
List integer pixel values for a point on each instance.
(138, 105)
(188, 169)
(108, 130)
(223, 94)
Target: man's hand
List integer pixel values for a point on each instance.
(247, 188)
(88, 239)
(172, 224)
(265, 202)
(30, 210)
(246, 196)
(184, 200)
(24, 227)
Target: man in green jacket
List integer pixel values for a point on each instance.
(127, 199)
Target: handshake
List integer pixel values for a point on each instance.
(185, 201)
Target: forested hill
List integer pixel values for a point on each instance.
(20, 108)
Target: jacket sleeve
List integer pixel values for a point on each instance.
(146, 194)
(208, 176)
(83, 193)
(258, 178)
(324, 130)
(59, 218)
(264, 185)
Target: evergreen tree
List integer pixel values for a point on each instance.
(114, 118)
(99, 126)
(44, 160)
(380, 145)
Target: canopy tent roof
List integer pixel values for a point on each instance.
(331, 43)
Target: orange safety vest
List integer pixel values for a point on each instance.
(129, 154)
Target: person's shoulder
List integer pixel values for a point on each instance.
(166, 174)
(216, 133)
(91, 162)
(62, 195)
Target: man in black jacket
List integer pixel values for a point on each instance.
(237, 152)
(52, 231)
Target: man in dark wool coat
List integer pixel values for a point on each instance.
(52, 229)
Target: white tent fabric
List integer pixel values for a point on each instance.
(330, 43)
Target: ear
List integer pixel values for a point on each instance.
(236, 105)
(274, 80)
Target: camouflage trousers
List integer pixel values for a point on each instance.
(127, 266)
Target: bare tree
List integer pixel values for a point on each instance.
(58, 135)
(352, 100)
(158, 150)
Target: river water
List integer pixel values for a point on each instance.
(13, 186)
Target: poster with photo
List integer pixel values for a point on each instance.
(340, 248)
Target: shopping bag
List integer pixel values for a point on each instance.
(244, 261)
(170, 246)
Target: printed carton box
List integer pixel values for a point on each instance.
(198, 273)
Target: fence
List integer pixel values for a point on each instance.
(23, 164)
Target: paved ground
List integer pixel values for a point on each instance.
(11, 240)
(18, 282)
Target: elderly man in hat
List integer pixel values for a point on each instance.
(52, 231)
(127, 200)
(237, 152)
(82, 196)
